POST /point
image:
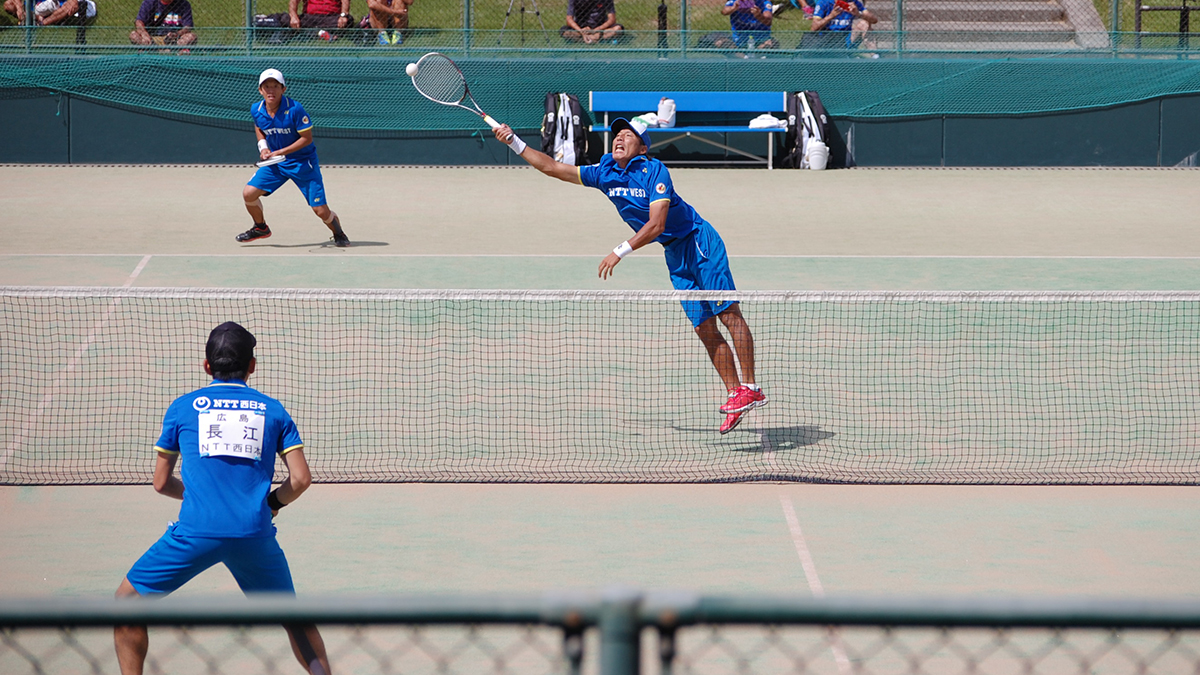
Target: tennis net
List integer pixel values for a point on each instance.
(593, 386)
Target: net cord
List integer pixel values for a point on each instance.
(597, 295)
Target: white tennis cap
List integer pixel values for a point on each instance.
(271, 74)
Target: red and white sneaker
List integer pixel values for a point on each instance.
(731, 421)
(744, 398)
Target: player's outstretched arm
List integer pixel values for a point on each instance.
(538, 160)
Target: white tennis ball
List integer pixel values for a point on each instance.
(411, 69)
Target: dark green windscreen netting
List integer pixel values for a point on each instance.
(374, 93)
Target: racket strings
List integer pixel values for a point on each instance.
(439, 79)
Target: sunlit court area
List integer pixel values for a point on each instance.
(599, 336)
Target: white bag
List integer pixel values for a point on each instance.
(666, 112)
(816, 155)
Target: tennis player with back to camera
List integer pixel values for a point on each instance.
(284, 131)
(641, 189)
(228, 436)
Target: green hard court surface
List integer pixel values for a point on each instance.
(512, 228)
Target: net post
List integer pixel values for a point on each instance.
(573, 648)
(620, 634)
(666, 649)
(898, 23)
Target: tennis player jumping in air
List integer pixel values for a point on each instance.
(641, 189)
(284, 131)
(228, 436)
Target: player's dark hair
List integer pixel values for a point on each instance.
(230, 374)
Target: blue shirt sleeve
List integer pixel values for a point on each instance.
(289, 436)
(300, 119)
(589, 176)
(185, 15)
(822, 9)
(659, 183)
(168, 440)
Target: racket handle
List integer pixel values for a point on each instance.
(495, 125)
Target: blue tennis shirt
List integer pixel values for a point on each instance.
(632, 190)
(284, 128)
(843, 21)
(228, 436)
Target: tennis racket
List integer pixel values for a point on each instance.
(440, 80)
(270, 160)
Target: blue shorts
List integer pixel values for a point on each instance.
(742, 39)
(306, 174)
(257, 563)
(699, 263)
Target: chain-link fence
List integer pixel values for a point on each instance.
(882, 27)
(615, 633)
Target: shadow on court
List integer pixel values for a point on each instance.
(770, 439)
(320, 244)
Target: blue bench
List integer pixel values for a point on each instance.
(630, 103)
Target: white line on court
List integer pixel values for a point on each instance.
(810, 573)
(52, 391)
(592, 255)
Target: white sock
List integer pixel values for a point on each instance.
(752, 387)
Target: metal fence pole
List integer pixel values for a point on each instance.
(249, 26)
(1116, 23)
(466, 27)
(29, 25)
(683, 26)
(899, 25)
(620, 633)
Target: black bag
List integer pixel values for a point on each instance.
(563, 135)
(807, 120)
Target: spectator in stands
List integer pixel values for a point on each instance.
(163, 22)
(327, 14)
(14, 13)
(64, 13)
(750, 22)
(389, 17)
(849, 16)
(590, 21)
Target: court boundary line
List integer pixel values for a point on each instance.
(832, 256)
(56, 384)
(810, 574)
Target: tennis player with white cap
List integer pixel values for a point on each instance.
(284, 131)
(228, 436)
(641, 189)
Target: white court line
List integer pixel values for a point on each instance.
(52, 391)
(593, 255)
(810, 573)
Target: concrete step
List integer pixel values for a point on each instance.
(958, 31)
(982, 12)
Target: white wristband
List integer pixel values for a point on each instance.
(518, 146)
(262, 145)
(623, 250)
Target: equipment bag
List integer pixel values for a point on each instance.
(806, 121)
(563, 135)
